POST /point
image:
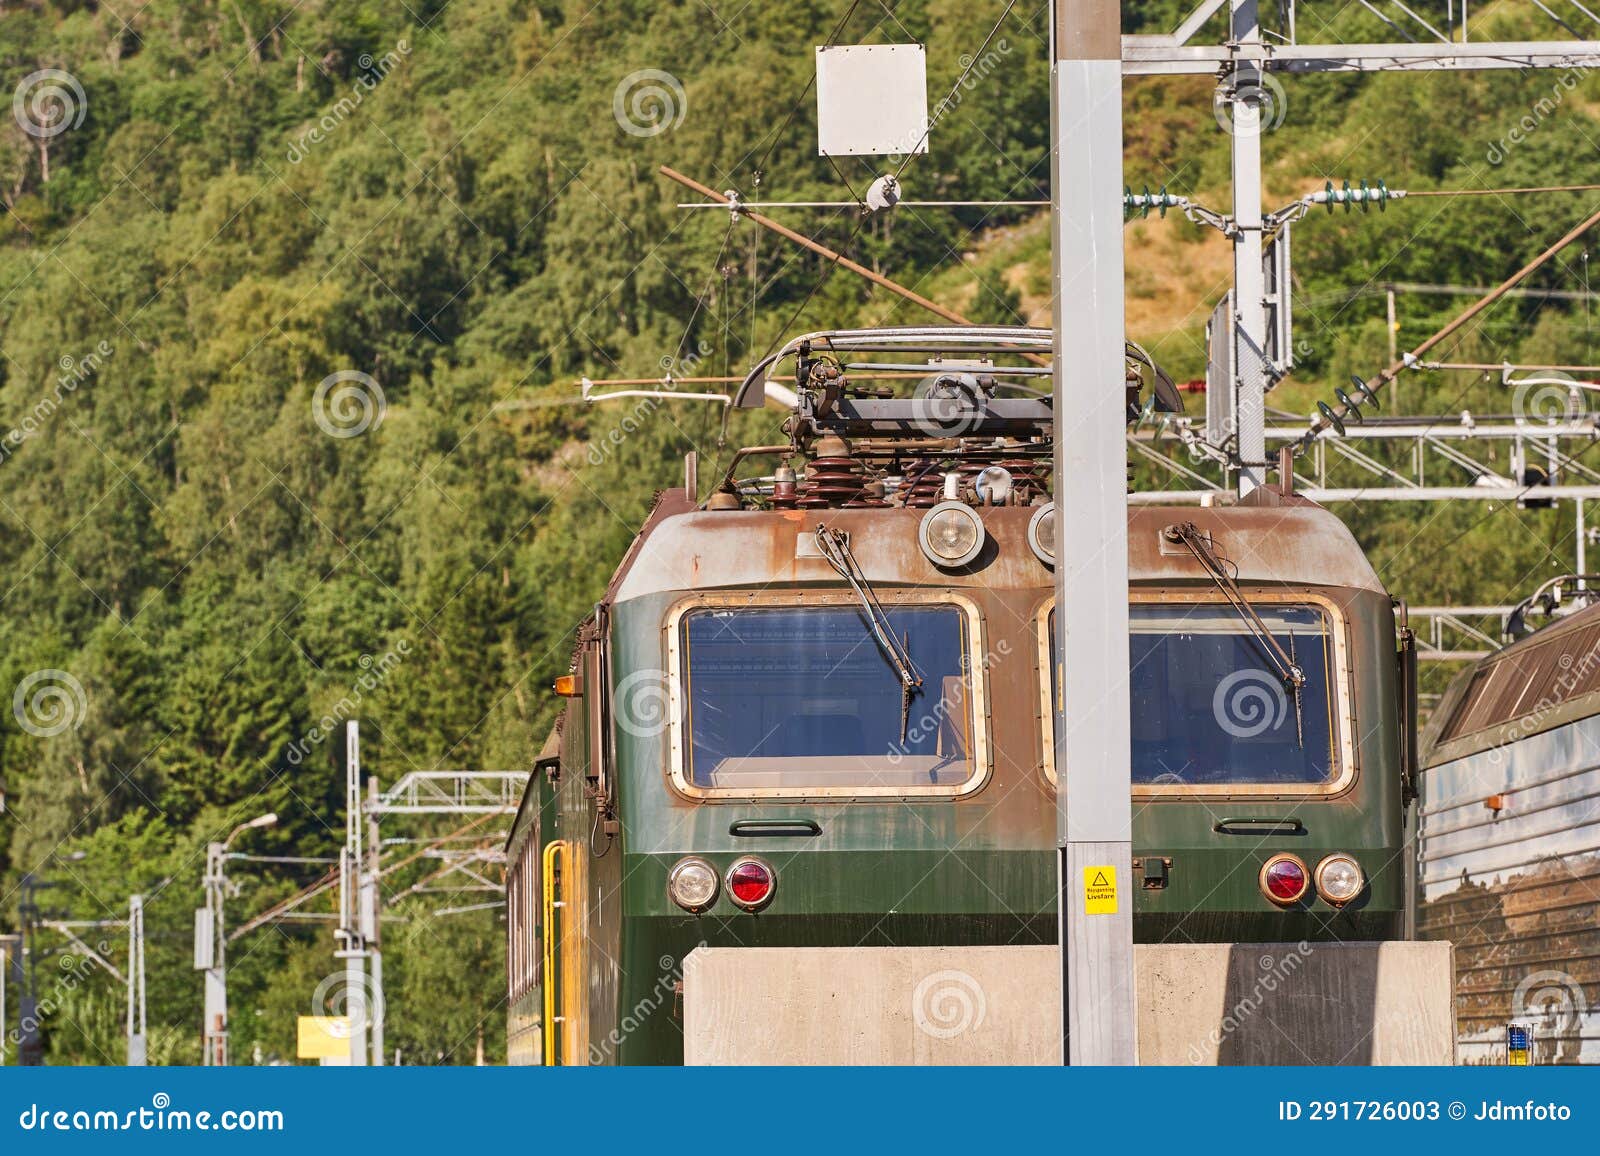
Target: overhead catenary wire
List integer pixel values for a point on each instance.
(788, 119)
(939, 112)
(1036, 203)
(1512, 366)
(1511, 497)
(1414, 357)
(1004, 204)
(1510, 192)
(834, 258)
(330, 879)
(700, 300)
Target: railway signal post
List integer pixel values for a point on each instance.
(1092, 726)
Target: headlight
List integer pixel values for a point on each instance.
(993, 485)
(693, 884)
(951, 534)
(1042, 533)
(1283, 879)
(1339, 879)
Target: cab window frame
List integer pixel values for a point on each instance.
(891, 598)
(1340, 684)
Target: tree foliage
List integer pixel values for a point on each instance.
(229, 203)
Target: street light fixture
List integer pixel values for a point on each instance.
(270, 819)
(211, 945)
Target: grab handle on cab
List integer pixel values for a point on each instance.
(1259, 827)
(773, 828)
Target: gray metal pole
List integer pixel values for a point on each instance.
(371, 899)
(1249, 276)
(30, 1045)
(216, 978)
(1393, 326)
(1092, 741)
(355, 969)
(136, 1005)
(4, 979)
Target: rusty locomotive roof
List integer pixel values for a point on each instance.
(682, 548)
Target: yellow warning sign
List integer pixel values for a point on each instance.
(322, 1037)
(1100, 890)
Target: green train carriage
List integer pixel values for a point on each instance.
(745, 761)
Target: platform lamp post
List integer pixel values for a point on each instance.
(211, 945)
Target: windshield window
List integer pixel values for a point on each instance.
(797, 698)
(1209, 707)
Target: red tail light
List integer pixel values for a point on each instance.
(1284, 879)
(751, 883)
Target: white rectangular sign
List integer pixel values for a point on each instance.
(872, 100)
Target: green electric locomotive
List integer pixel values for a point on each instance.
(814, 708)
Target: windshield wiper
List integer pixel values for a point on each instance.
(835, 547)
(1292, 673)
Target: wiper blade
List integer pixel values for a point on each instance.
(1293, 675)
(835, 548)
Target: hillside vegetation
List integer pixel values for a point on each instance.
(213, 207)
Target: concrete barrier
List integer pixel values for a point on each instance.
(1307, 1003)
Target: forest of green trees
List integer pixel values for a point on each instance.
(294, 299)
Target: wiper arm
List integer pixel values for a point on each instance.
(835, 548)
(1293, 675)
